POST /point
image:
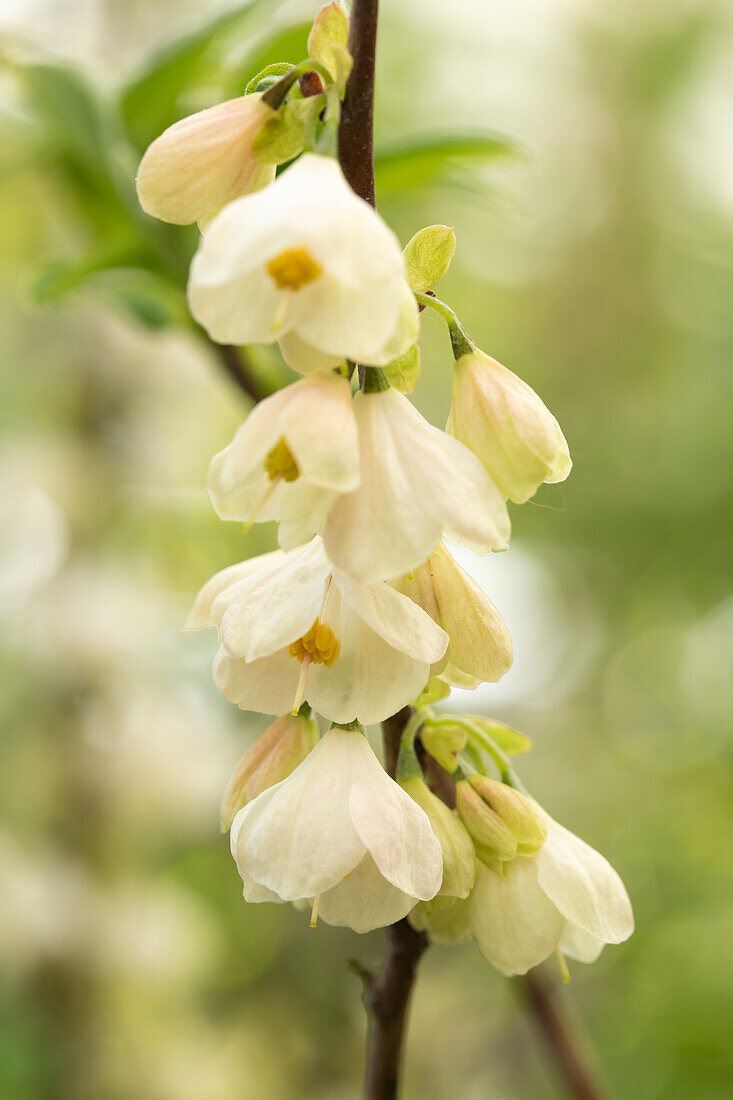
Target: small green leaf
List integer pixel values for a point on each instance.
(428, 256)
(403, 373)
(289, 130)
(509, 740)
(327, 42)
(435, 690)
(276, 70)
(433, 159)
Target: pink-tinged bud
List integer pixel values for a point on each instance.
(495, 842)
(506, 425)
(515, 810)
(204, 161)
(274, 755)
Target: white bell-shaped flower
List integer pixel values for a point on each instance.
(417, 483)
(204, 161)
(566, 897)
(503, 421)
(292, 627)
(293, 456)
(341, 834)
(309, 263)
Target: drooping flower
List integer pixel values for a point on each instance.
(503, 421)
(295, 453)
(292, 627)
(566, 896)
(204, 161)
(274, 755)
(417, 483)
(309, 263)
(480, 646)
(341, 834)
(459, 857)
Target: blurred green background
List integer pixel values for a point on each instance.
(596, 263)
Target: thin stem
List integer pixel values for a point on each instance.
(461, 342)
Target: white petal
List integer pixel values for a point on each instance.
(416, 482)
(204, 161)
(583, 885)
(397, 832)
(364, 900)
(319, 426)
(513, 921)
(203, 613)
(306, 359)
(301, 509)
(273, 607)
(398, 620)
(267, 685)
(580, 945)
(369, 681)
(297, 838)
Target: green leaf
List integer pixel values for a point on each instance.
(149, 103)
(435, 158)
(327, 42)
(404, 372)
(274, 71)
(289, 130)
(428, 256)
(509, 740)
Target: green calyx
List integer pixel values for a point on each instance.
(352, 727)
(375, 380)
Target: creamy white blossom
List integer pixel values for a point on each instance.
(341, 834)
(293, 456)
(566, 896)
(309, 263)
(291, 627)
(417, 483)
(503, 421)
(204, 161)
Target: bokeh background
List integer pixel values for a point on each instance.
(594, 260)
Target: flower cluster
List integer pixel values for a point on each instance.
(363, 610)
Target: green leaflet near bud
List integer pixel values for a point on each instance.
(444, 744)
(267, 75)
(327, 42)
(403, 373)
(428, 256)
(493, 836)
(509, 740)
(291, 129)
(459, 858)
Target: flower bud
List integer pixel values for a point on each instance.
(446, 920)
(444, 744)
(459, 859)
(515, 810)
(495, 842)
(274, 755)
(506, 425)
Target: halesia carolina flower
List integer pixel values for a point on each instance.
(204, 161)
(459, 858)
(507, 426)
(290, 460)
(292, 627)
(341, 834)
(310, 264)
(566, 897)
(417, 483)
(273, 756)
(480, 645)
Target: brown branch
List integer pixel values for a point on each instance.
(356, 133)
(563, 1042)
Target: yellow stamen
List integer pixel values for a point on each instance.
(314, 911)
(319, 644)
(280, 463)
(300, 689)
(293, 269)
(564, 972)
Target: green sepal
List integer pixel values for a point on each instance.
(327, 43)
(291, 129)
